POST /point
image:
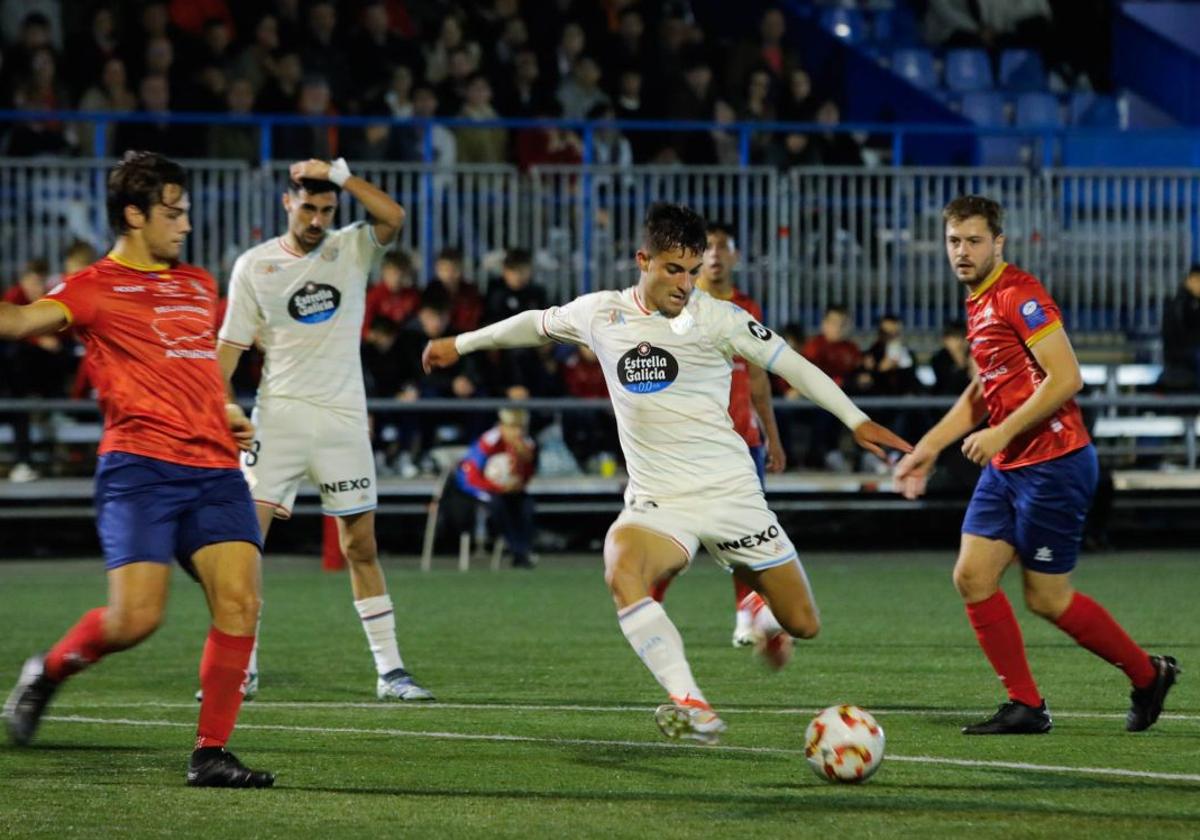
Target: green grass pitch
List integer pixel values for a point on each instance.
(544, 723)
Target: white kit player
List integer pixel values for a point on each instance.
(666, 351)
(301, 297)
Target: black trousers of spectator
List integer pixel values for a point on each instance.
(512, 517)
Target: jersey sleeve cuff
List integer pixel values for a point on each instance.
(1033, 339)
(66, 311)
(223, 340)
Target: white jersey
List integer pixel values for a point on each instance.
(306, 311)
(669, 383)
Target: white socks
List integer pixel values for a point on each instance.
(658, 644)
(379, 623)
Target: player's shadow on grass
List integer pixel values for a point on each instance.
(803, 799)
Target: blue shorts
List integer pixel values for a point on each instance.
(1040, 510)
(147, 509)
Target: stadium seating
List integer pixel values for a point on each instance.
(1022, 70)
(916, 66)
(968, 70)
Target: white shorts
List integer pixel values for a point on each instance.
(293, 439)
(737, 531)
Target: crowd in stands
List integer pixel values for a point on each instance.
(402, 314)
(576, 59)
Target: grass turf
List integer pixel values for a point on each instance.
(544, 727)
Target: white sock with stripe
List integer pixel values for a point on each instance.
(379, 623)
(660, 647)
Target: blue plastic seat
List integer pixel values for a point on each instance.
(1093, 110)
(968, 70)
(916, 67)
(1022, 70)
(848, 24)
(1038, 110)
(984, 108)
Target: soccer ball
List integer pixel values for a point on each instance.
(500, 469)
(844, 744)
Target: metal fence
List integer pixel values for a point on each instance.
(1111, 245)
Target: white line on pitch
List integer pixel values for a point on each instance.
(536, 707)
(591, 742)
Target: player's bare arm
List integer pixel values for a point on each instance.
(387, 215)
(913, 470)
(760, 396)
(41, 317)
(243, 430)
(1062, 381)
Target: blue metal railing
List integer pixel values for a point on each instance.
(1052, 138)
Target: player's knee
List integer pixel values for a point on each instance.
(1047, 605)
(359, 549)
(971, 584)
(801, 624)
(125, 628)
(237, 609)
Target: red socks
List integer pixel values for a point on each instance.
(222, 670)
(1090, 625)
(740, 591)
(83, 645)
(999, 635)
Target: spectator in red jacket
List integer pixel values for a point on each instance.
(395, 296)
(466, 303)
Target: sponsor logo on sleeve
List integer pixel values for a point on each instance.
(759, 331)
(646, 369)
(1033, 314)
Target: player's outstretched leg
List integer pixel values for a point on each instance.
(782, 608)
(633, 559)
(393, 682)
(1093, 628)
(137, 595)
(230, 575)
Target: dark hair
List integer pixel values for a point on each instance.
(37, 265)
(890, 316)
(717, 226)
(838, 309)
(435, 297)
(383, 324)
(398, 259)
(673, 227)
(517, 258)
(451, 253)
(1194, 269)
(966, 206)
(79, 248)
(313, 186)
(954, 328)
(139, 180)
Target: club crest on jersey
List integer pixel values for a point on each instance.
(646, 369)
(314, 303)
(1033, 314)
(329, 254)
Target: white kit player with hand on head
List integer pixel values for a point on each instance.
(667, 351)
(301, 297)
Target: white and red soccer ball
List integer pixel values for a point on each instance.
(844, 744)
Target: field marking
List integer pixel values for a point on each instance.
(592, 742)
(536, 707)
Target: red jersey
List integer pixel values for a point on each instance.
(152, 355)
(396, 306)
(837, 359)
(1007, 314)
(741, 407)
